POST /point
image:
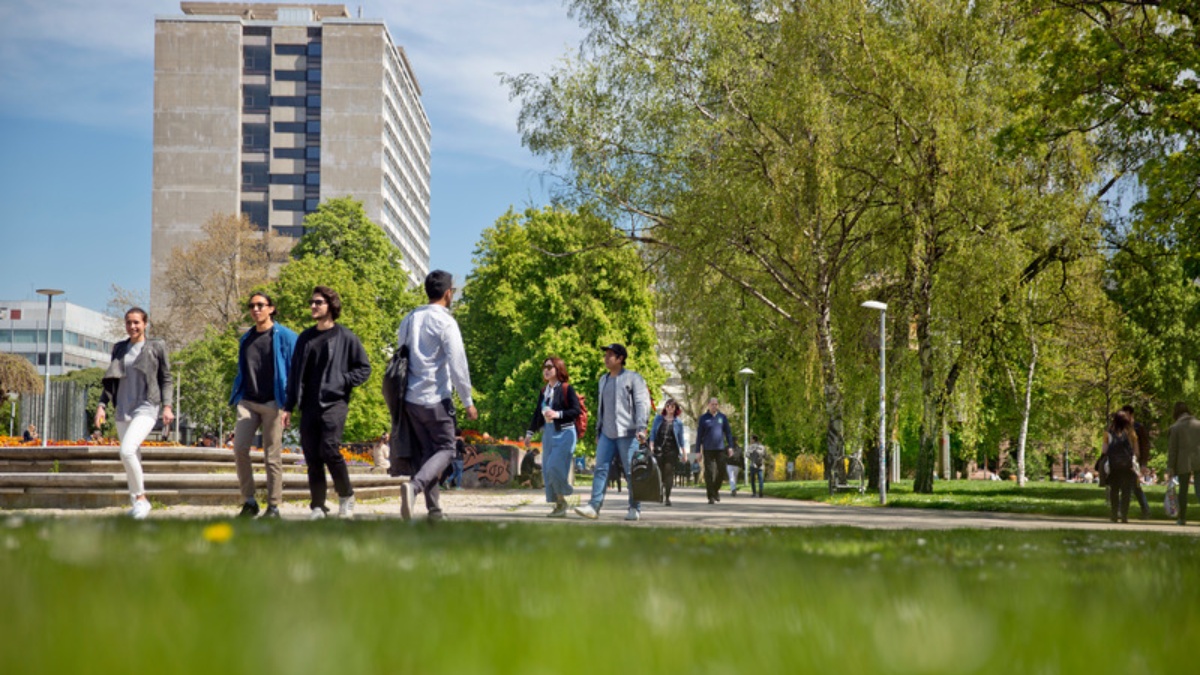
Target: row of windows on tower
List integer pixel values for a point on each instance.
(256, 59)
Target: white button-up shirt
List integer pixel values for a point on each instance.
(436, 356)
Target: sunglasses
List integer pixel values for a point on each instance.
(316, 303)
(258, 305)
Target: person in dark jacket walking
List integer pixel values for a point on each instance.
(554, 415)
(1143, 458)
(328, 362)
(1183, 455)
(1120, 446)
(138, 380)
(714, 438)
(259, 393)
(667, 440)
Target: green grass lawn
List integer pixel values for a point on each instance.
(1037, 497)
(116, 596)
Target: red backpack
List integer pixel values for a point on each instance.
(582, 419)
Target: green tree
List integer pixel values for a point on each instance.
(547, 282)
(17, 374)
(205, 370)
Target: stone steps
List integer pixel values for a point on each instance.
(92, 477)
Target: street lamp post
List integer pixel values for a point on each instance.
(49, 293)
(12, 409)
(746, 374)
(882, 307)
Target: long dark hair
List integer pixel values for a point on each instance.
(1121, 423)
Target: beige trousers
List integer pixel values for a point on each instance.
(250, 418)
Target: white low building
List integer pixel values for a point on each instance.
(79, 337)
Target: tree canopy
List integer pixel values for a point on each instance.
(552, 282)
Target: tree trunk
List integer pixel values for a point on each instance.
(1025, 414)
(927, 454)
(834, 435)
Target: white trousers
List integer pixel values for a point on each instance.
(132, 433)
(732, 471)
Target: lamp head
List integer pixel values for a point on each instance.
(875, 304)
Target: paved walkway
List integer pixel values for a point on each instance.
(690, 510)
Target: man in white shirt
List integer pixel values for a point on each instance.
(437, 366)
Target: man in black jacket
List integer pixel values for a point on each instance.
(328, 361)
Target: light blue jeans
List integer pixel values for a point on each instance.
(605, 449)
(558, 449)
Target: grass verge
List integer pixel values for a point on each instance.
(109, 596)
(1037, 497)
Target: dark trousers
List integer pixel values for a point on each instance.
(667, 471)
(1184, 479)
(1140, 495)
(321, 440)
(756, 473)
(434, 429)
(714, 469)
(1120, 487)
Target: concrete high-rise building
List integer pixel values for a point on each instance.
(269, 109)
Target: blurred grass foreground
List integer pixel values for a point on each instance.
(117, 596)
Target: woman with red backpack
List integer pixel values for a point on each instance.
(555, 414)
(1120, 447)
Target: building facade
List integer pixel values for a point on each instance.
(269, 109)
(79, 337)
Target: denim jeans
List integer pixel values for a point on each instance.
(558, 449)
(756, 474)
(605, 449)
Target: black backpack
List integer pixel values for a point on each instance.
(1120, 452)
(645, 480)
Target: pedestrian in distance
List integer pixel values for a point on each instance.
(31, 434)
(437, 368)
(328, 362)
(259, 394)
(1120, 446)
(137, 380)
(1183, 456)
(621, 420)
(554, 414)
(714, 441)
(757, 455)
(379, 453)
(667, 441)
(733, 467)
(1143, 459)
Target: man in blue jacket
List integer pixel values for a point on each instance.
(714, 438)
(259, 392)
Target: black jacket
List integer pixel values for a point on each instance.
(154, 364)
(565, 401)
(348, 367)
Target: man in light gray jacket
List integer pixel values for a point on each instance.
(1183, 455)
(621, 422)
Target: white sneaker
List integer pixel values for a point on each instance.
(141, 509)
(587, 512)
(346, 507)
(317, 513)
(633, 514)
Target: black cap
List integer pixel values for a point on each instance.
(616, 348)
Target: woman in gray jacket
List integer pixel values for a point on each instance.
(137, 381)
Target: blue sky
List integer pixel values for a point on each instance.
(76, 126)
